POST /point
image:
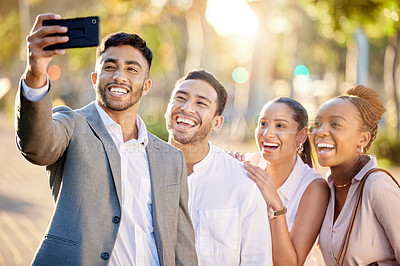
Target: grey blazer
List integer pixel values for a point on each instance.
(83, 165)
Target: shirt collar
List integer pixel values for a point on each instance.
(369, 165)
(288, 188)
(204, 164)
(109, 124)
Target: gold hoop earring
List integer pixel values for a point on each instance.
(300, 148)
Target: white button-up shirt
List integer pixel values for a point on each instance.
(228, 212)
(135, 243)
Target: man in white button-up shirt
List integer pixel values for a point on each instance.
(120, 193)
(228, 212)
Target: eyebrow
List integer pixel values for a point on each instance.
(276, 119)
(333, 117)
(196, 95)
(127, 62)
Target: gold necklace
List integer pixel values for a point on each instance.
(344, 185)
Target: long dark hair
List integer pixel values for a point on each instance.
(301, 117)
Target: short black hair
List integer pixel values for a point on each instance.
(122, 38)
(213, 81)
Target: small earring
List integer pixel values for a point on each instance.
(362, 150)
(300, 148)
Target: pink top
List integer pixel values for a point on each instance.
(376, 230)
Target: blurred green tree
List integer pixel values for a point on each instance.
(340, 19)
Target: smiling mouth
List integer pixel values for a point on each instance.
(325, 147)
(269, 146)
(185, 122)
(118, 91)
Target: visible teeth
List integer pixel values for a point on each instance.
(118, 90)
(187, 121)
(325, 145)
(270, 144)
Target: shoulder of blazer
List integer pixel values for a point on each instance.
(161, 144)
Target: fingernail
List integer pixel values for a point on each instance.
(64, 28)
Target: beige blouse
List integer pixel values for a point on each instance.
(376, 231)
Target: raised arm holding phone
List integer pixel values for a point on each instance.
(120, 193)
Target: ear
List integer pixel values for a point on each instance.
(217, 122)
(146, 86)
(302, 135)
(364, 139)
(94, 78)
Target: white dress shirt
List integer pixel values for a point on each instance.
(228, 212)
(135, 243)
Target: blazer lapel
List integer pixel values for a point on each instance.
(156, 164)
(94, 120)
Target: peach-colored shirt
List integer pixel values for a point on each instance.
(376, 230)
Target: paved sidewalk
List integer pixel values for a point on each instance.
(25, 201)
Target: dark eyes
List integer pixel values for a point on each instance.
(112, 67)
(132, 69)
(262, 124)
(278, 125)
(109, 67)
(332, 124)
(180, 98)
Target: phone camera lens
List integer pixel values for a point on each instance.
(93, 21)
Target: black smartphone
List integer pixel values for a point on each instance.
(82, 32)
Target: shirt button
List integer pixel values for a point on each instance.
(104, 256)
(116, 219)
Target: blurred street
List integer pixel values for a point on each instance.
(25, 200)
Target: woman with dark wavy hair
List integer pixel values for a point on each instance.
(295, 193)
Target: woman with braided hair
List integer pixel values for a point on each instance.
(345, 128)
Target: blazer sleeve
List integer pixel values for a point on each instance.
(384, 196)
(185, 253)
(42, 137)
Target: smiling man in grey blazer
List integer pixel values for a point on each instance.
(120, 193)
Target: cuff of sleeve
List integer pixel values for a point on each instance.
(34, 95)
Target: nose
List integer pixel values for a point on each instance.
(188, 107)
(322, 130)
(268, 131)
(119, 76)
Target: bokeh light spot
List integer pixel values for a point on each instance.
(240, 75)
(54, 72)
(301, 70)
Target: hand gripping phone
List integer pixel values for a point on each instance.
(82, 32)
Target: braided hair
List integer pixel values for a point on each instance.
(369, 106)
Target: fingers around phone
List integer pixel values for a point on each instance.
(39, 20)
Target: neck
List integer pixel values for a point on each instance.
(193, 152)
(342, 174)
(280, 171)
(126, 119)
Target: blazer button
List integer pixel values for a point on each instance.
(116, 219)
(105, 256)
